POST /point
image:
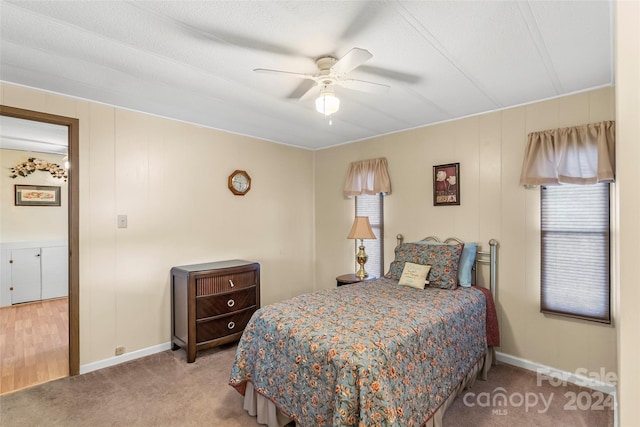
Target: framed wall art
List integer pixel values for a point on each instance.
(37, 195)
(446, 184)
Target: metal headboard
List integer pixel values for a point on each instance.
(489, 257)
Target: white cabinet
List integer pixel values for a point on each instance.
(54, 264)
(25, 275)
(33, 271)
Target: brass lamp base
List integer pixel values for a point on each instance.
(361, 259)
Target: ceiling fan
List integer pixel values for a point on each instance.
(332, 72)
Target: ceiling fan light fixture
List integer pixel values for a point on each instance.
(327, 103)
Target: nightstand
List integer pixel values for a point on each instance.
(347, 279)
(212, 303)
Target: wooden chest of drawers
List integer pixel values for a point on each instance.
(212, 303)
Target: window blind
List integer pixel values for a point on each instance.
(575, 251)
(371, 206)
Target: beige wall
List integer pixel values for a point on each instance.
(30, 223)
(170, 178)
(628, 159)
(490, 149)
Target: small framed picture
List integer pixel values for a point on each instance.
(446, 184)
(37, 195)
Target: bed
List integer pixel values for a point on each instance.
(375, 353)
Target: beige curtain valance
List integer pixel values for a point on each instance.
(576, 155)
(367, 177)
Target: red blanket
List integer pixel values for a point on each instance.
(493, 331)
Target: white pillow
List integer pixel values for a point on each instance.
(414, 275)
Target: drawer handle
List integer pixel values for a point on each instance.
(231, 325)
(231, 283)
(231, 303)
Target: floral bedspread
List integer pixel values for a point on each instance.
(367, 354)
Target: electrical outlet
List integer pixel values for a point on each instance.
(119, 351)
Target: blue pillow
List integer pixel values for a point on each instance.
(467, 259)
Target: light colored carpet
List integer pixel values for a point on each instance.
(164, 390)
(158, 390)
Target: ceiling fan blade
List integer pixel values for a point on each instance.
(302, 88)
(289, 73)
(314, 92)
(353, 59)
(391, 74)
(364, 86)
(364, 18)
(216, 35)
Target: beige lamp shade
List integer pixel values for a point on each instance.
(361, 229)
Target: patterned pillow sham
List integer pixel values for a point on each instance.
(467, 259)
(443, 259)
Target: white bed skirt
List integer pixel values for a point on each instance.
(268, 414)
(265, 410)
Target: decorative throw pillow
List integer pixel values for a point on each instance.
(443, 259)
(414, 275)
(467, 259)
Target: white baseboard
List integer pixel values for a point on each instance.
(558, 374)
(116, 360)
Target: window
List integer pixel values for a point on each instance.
(371, 206)
(575, 251)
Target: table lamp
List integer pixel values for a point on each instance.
(361, 229)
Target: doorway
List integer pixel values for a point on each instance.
(72, 125)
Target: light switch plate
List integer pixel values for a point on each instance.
(122, 221)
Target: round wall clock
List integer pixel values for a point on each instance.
(239, 182)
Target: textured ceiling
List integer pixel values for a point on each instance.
(194, 61)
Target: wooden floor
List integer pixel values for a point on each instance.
(34, 343)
